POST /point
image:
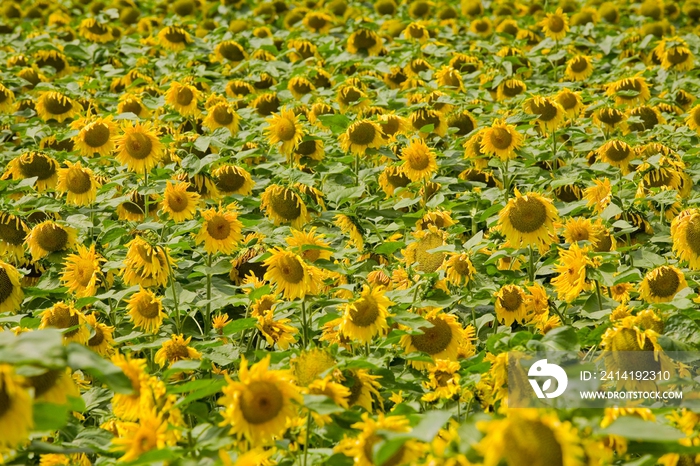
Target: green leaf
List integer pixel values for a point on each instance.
(562, 339)
(634, 428)
(79, 357)
(239, 325)
(214, 386)
(337, 123)
(389, 248)
(49, 416)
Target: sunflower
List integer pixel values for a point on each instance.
(501, 139)
(528, 221)
(13, 232)
(222, 115)
(309, 365)
(95, 137)
(309, 245)
(599, 195)
(221, 230)
(419, 161)
(16, 419)
(529, 436)
(53, 59)
(34, 164)
(176, 349)
(48, 237)
(284, 205)
(571, 267)
(300, 86)
(364, 41)
(139, 147)
(53, 386)
(685, 233)
(629, 91)
(610, 117)
(571, 102)
(183, 98)
(365, 318)
(509, 88)
(231, 179)
(137, 439)
(549, 113)
(95, 32)
(174, 38)
(443, 381)
(101, 340)
(7, 100)
(459, 269)
(555, 25)
(648, 118)
(318, 22)
(179, 203)
(423, 119)
(63, 316)
(363, 387)
(56, 106)
(79, 183)
(285, 128)
(11, 294)
(449, 77)
(293, 277)
(128, 406)
(276, 332)
(360, 136)
(581, 229)
(349, 226)
(134, 208)
(362, 447)
(311, 149)
(146, 265)
(441, 341)
(129, 103)
(675, 54)
(618, 154)
(230, 50)
(662, 284)
(82, 272)
(146, 310)
(511, 304)
(259, 406)
(393, 178)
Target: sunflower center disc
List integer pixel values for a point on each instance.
(138, 145)
(222, 115)
(546, 111)
(175, 36)
(501, 138)
(98, 338)
(532, 443)
(418, 160)
(648, 117)
(363, 134)
(434, 339)
(306, 148)
(96, 135)
(351, 95)
(44, 382)
(511, 299)
(4, 95)
(177, 202)
(677, 56)
(230, 180)
(355, 388)
(398, 180)
(77, 181)
(364, 39)
(52, 238)
(11, 234)
(629, 85)
(390, 126)
(568, 101)
(148, 310)
(184, 96)
(664, 283)
(5, 402)
(527, 214)
(617, 152)
(579, 64)
(292, 270)
(317, 22)
(176, 351)
(83, 273)
(692, 234)
(285, 206)
(461, 266)
(97, 29)
(556, 24)
(218, 227)
(429, 261)
(610, 116)
(57, 104)
(364, 312)
(37, 165)
(231, 52)
(512, 89)
(286, 129)
(6, 286)
(132, 106)
(261, 402)
(302, 87)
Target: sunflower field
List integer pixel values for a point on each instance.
(311, 232)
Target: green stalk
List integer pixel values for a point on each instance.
(207, 317)
(171, 276)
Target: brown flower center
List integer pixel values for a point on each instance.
(511, 299)
(664, 283)
(362, 133)
(39, 165)
(184, 96)
(364, 312)
(528, 214)
(52, 237)
(556, 23)
(78, 181)
(533, 443)
(218, 227)
(96, 135)
(500, 138)
(139, 145)
(44, 382)
(222, 115)
(57, 104)
(291, 269)
(261, 401)
(434, 339)
(285, 203)
(6, 286)
(148, 309)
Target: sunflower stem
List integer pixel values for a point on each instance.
(459, 410)
(600, 297)
(357, 169)
(303, 324)
(531, 265)
(554, 145)
(145, 195)
(306, 441)
(171, 276)
(506, 180)
(367, 349)
(207, 324)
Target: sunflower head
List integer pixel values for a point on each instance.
(528, 220)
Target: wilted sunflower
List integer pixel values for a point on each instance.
(579, 68)
(179, 203)
(417, 255)
(222, 115)
(230, 50)
(618, 154)
(7, 100)
(349, 226)
(364, 41)
(360, 136)
(363, 387)
(392, 178)
(571, 102)
(82, 272)
(423, 119)
(95, 137)
(509, 88)
(11, 294)
(511, 304)
(48, 237)
(13, 232)
(441, 341)
(629, 91)
(134, 209)
(293, 277)
(675, 54)
(56, 106)
(79, 183)
(16, 419)
(555, 25)
(501, 139)
(95, 32)
(221, 230)
(610, 117)
(174, 38)
(183, 98)
(283, 205)
(285, 128)
(529, 221)
(365, 317)
(662, 284)
(176, 349)
(259, 406)
(146, 310)
(139, 147)
(549, 113)
(34, 164)
(443, 381)
(128, 406)
(101, 340)
(146, 265)
(459, 269)
(419, 161)
(571, 267)
(63, 316)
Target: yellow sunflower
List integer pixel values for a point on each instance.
(570, 101)
(360, 136)
(222, 115)
(7, 100)
(693, 119)
(48, 237)
(423, 119)
(555, 25)
(95, 32)
(13, 232)
(599, 195)
(129, 103)
(511, 304)
(286, 128)
(146, 265)
(260, 405)
(365, 318)
(311, 149)
(419, 161)
(146, 310)
(571, 267)
(56, 106)
(276, 331)
(510, 88)
(139, 147)
(417, 253)
(95, 136)
(309, 245)
(128, 406)
(176, 349)
(459, 269)
(549, 113)
(501, 139)
(63, 316)
(579, 68)
(581, 229)
(231, 179)
(183, 98)
(629, 91)
(179, 203)
(137, 439)
(685, 233)
(441, 341)
(529, 221)
(78, 183)
(364, 41)
(221, 230)
(174, 38)
(101, 340)
(230, 50)
(443, 381)
(284, 205)
(363, 387)
(16, 419)
(293, 277)
(11, 294)
(349, 226)
(618, 154)
(34, 164)
(662, 284)
(82, 272)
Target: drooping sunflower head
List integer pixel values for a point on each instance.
(529, 220)
(629, 91)
(63, 316)
(48, 237)
(618, 154)
(392, 178)
(35, 164)
(283, 205)
(571, 102)
(56, 106)
(95, 31)
(549, 112)
(364, 41)
(362, 135)
(82, 272)
(610, 117)
(662, 284)
(511, 304)
(510, 88)
(11, 294)
(230, 50)
(174, 38)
